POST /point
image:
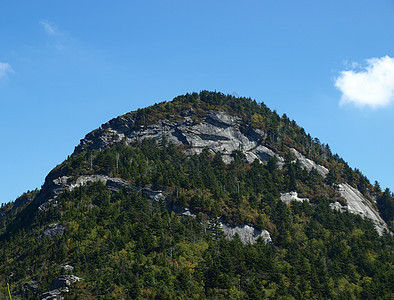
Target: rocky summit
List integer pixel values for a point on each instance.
(205, 196)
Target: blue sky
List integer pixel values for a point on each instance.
(66, 67)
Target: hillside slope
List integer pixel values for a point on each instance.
(205, 196)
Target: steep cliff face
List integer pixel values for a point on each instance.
(218, 131)
(309, 164)
(358, 204)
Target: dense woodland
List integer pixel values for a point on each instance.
(125, 245)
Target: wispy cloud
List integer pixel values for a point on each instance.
(49, 28)
(371, 86)
(5, 69)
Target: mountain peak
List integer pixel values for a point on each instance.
(180, 183)
(224, 124)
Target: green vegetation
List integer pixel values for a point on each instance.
(125, 245)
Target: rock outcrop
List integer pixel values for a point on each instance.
(53, 188)
(309, 164)
(218, 131)
(60, 286)
(64, 281)
(247, 234)
(67, 267)
(292, 196)
(358, 204)
(152, 194)
(31, 285)
(53, 230)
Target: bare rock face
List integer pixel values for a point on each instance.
(219, 132)
(358, 204)
(246, 233)
(338, 206)
(67, 267)
(53, 230)
(31, 285)
(309, 164)
(60, 286)
(52, 295)
(153, 195)
(292, 196)
(53, 188)
(114, 184)
(64, 281)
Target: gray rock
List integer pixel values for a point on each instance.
(67, 267)
(54, 230)
(153, 195)
(247, 234)
(219, 132)
(358, 204)
(114, 184)
(52, 295)
(309, 164)
(338, 206)
(186, 212)
(63, 282)
(292, 196)
(60, 286)
(52, 189)
(31, 285)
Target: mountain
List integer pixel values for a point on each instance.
(206, 196)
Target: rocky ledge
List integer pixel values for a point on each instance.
(218, 131)
(53, 188)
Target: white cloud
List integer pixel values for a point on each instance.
(370, 86)
(49, 28)
(5, 69)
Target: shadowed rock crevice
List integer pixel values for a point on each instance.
(211, 137)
